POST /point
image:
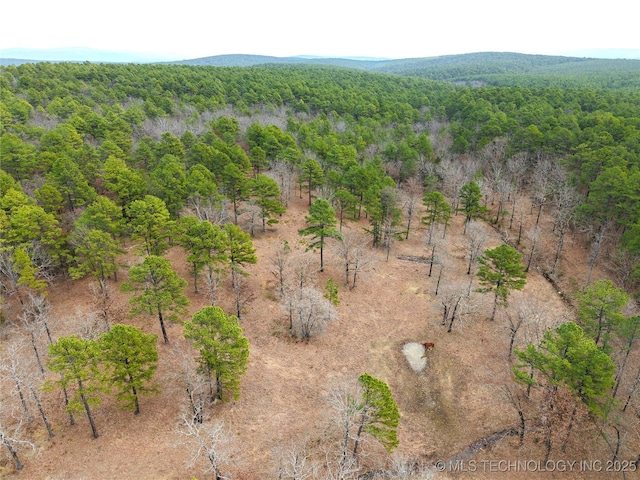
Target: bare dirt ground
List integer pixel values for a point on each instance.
(454, 401)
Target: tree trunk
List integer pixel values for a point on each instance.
(539, 213)
(514, 331)
(445, 316)
(571, 420)
(453, 315)
(631, 392)
(195, 278)
(72, 420)
(345, 444)
(522, 427)
(218, 386)
(41, 410)
(519, 234)
(356, 441)
(24, 402)
(135, 393)
(162, 326)
(533, 247)
(439, 277)
(531, 372)
(558, 251)
(87, 409)
(433, 252)
(36, 352)
(623, 366)
(235, 211)
(495, 307)
(13, 453)
(137, 404)
(547, 422)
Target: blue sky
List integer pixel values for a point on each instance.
(397, 29)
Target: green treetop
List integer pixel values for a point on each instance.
(501, 271)
(321, 223)
(224, 350)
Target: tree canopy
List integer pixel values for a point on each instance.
(223, 349)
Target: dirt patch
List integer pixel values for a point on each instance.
(415, 354)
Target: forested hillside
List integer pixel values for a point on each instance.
(172, 193)
(490, 68)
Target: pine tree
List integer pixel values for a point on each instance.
(150, 224)
(501, 271)
(266, 194)
(311, 175)
(600, 310)
(379, 413)
(76, 359)
(321, 223)
(224, 350)
(438, 211)
(130, 359)
(161, 291)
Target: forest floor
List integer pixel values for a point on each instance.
(454, 401)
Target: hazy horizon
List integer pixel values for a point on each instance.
(333, 28)
(78, 54)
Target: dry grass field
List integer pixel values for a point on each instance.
(455, 401)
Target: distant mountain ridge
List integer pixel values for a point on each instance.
(74, 54)
(493, 68)
(485, 67)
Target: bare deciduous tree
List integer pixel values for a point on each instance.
(294, 462)
(281, 261)
(533, 234)
(103, 298)
(212, 278)
(303, 266)
(309, 312)
(456, 304)
(10, 437)
(354, 255)
(284, 173)
(241, 294)
(252, 218)
(454, 175)
(410, 198)
(566, 199)
(26, 380)
(88, 325)
(477, 240)
(206, 440)
(515, 396)
(38, 307)
(188, 380)
(542, 185)
(598, 242)
(342, 400)
(9, 365)
(213, 209)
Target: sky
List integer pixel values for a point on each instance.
(347, 28)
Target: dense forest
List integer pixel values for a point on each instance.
(485, 68)
(101, 162)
